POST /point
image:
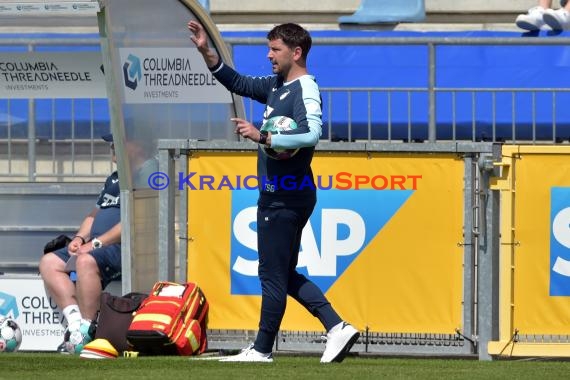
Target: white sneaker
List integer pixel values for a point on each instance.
(531, 20)
(339, 342)
(249, 354)
(80, 335)
(557, 19)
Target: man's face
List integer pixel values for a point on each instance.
(280, 56)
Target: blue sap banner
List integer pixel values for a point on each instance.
(560, 241)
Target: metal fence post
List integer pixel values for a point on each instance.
(488, 259)
(31, 134)
(431, 92)
(166, 201)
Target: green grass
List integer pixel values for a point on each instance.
(47, 366)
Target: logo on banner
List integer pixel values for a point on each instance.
(8, 306)
(132, 71)
(340, 228)
(37, 314)
(169, 75)
(560, 241)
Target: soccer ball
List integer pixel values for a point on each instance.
(79, 338)
(10, 335)
(276, 125)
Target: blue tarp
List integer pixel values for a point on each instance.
(457, 66)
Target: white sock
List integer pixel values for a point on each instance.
(73, 316)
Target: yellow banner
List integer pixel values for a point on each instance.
(541, 257)
(383, 242)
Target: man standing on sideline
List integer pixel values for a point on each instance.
(282, 213)
(96, 247)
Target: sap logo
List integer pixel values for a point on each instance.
(132, 71)
(341, 226)
(317, 264)
(560, 241)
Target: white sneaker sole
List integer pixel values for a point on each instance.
(233, 360)
(346, 349)
(525, 25)
(552, 22)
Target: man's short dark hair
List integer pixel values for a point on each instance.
(292, 35)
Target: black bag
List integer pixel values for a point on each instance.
(115, 316)
(59, 242)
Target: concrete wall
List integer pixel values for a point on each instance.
(345, 6)
(231, 14)
(349, 6)
(481, 6)
(300, 5)
(228, 13)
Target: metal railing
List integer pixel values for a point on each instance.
(436, 100)
(35, 149)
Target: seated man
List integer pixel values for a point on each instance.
(96, 249)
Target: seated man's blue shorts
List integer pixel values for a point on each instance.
(108, 260)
